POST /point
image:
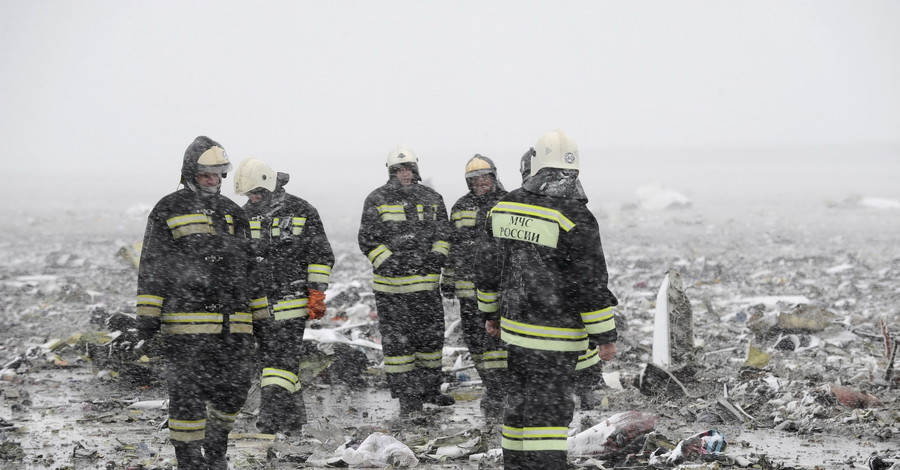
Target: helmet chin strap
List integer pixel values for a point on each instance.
(204, 192)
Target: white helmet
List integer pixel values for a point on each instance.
(555, 150)
(401, 155)
(252, 174)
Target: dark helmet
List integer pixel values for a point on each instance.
(204, 155)
(481, 165)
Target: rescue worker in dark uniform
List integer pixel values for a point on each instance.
(289, 236)
(543, 286)
(468, 217)
(196, 287)
(405, 233)
(589, 370)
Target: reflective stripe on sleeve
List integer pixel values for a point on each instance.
(464, 218)
(379, 255)
(488, 302)
(441, 247)
(495, 359)
(318, 273)
(588, 359)
(294, 308)
(599, 321)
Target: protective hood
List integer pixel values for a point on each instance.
(556, 182)
(204, 155)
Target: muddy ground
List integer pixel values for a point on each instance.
(65, 407)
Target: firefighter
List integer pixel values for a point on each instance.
(589, 370)
(288, 235)
(468, 216)
(542, 283)
(196, 288)
(405, 233)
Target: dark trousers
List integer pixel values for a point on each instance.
(540, 407)
(208, 377)
(412, 338)
(488, 353)
(282, 407)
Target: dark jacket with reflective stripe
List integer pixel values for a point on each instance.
(405, 233)
(546, 261)
(468, 217)
(289, 235)
(194, 274)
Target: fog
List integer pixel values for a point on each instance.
(783, 104)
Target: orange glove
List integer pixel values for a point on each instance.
(316, 305)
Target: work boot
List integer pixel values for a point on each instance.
(440, 399)
(189, 456)
(409, 405)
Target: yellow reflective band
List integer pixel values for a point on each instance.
(196, 317)
(260, 314)
(191, 323)
(188, 219)
(259, 303)
(391, 213)
(278, 382)
(431, 360)
(285, 374)
(544, 338)
(255, 228)
(534, 439)
(221, 419)
(588, 359)
(230, 221)
(488, 302)
(379, 255)
(441, 247)
(276, 229)
(191, 230)
(150, 300)
(407, 284)
(537, 211)
(187, 431)
(318, 273)
(495, 359)
(288, 309)
(526, 229)
(599, 321)
(420, 209)
(148, 312)
(240, 322)
(399, 364)
(465, 289)
(461, 215)
(297, 224)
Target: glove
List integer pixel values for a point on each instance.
(316, 304)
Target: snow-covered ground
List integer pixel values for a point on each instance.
(744, 269)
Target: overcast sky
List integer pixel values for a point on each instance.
(99, 99)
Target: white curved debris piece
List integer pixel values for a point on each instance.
(149, 405)
(380, 450)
